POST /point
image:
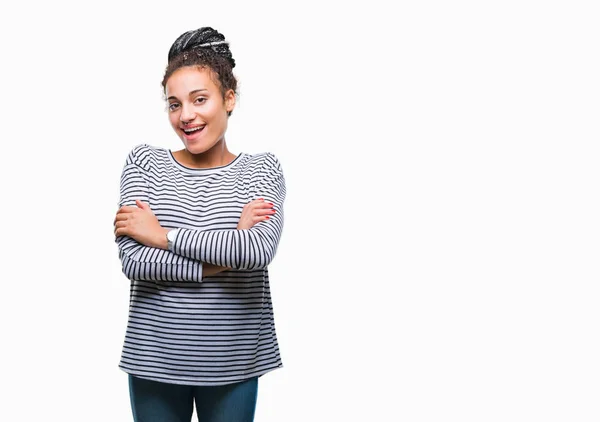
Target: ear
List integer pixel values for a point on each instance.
(229, 100)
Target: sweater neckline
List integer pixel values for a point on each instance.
(208, 170)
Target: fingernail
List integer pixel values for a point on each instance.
(267, 217)
(270, 203)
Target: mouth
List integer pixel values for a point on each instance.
(191, 133)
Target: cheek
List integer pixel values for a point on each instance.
(173, 119)
(212, 112)
(214, 118)
(218, 121)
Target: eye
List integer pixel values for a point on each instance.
(173, 106)
(200, 100)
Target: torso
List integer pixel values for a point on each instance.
(222, 329)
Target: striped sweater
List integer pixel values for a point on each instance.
(184, 328)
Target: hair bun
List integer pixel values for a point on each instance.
(205, 37)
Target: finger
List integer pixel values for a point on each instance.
(261, 212)
(122, 216)
(251, 204)
(260, 204)
(121, 231)
(257, 201)
(142, 205)
(261, 200)
(127, 208)
(121, 224)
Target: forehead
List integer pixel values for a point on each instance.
(188, 79)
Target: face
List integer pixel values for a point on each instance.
(197, 110)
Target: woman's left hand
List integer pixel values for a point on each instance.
(141, 224)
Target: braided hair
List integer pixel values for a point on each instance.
(204, 48)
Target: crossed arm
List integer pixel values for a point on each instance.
(143, 246)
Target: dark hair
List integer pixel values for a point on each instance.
(204, 48)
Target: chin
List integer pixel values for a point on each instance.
(196, 148)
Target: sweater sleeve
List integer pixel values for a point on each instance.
(140, 262)
(249, 249)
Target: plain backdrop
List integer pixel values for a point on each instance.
(439, 260)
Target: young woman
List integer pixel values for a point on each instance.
(196, 231)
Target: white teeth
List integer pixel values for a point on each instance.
(193, 130)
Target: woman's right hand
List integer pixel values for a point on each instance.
(255, 212)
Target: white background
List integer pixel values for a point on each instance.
(439, 260)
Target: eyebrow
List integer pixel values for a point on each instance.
(190, 94)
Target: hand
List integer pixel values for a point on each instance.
(255, 212)
(141, 224)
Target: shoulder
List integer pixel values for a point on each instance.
(264, 161)
(265, 169)
(144, 155)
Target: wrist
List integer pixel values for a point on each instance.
(170, 236)
(162, 242)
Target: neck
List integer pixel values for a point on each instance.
(217, 156)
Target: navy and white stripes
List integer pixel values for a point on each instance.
(184, 328)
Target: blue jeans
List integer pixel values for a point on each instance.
(153, 401)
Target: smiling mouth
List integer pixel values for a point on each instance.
(193, 130)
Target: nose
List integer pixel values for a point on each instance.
(187, 114)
